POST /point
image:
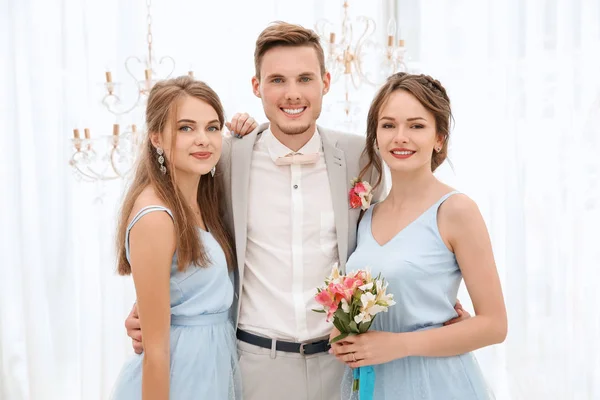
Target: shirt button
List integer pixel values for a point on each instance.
(295, 186)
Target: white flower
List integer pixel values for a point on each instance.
(372, 304)
(367, 300)
(367, 286)
(345, 306)
(365, 201)
(366, 196)
(382, 298)
(362, 317)
(376, 309)
(335, 276)
(386, 300)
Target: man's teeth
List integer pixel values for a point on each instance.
(403, 153)
(293, 110)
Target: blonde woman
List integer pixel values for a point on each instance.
(172, 239)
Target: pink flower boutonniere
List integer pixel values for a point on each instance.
(360, 195)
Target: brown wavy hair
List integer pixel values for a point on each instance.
(287, 35)
(162, 108)
(431, 94)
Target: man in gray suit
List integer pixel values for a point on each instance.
(287, 189)
(286, 193)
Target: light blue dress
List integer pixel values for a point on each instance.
(424, 278)
(203, 345)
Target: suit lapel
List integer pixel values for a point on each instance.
(336, 171)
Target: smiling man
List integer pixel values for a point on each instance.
(289, 187)
(286, 192)
(286, 187)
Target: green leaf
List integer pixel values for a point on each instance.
(340, 337)
(355, 308)
(364, 326)
(340, 326)
(321, 311)
(342, 316)
(353, 327)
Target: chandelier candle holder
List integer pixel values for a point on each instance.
(105, 157)
(362, 60)
(117, 154)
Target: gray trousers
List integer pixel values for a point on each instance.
(275, 375)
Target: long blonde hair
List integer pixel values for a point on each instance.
(160, 109)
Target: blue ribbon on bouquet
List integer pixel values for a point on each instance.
(366, 382)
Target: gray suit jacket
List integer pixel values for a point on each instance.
(344, 162)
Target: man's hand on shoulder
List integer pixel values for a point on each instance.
(241, 125)
(134, 330)
(462, 314)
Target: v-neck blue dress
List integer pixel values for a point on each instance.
(424, 278)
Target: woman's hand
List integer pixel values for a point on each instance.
(335, 347)
(370, 348)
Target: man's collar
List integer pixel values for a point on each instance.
(277, 149)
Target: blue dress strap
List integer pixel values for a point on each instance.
(140, 214)
(445, 197)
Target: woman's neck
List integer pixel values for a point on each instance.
(188, 186)
(410, 187)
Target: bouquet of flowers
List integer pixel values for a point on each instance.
(353, 300)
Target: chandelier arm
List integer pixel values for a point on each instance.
(75, 165)
(369, 29)
(101, 176)
(135, 104)
(114, 111)
(356, 80)
(129, 72)
(149, 34)
(320, 26)
(92, 175)
(172, 65)
(113, 153)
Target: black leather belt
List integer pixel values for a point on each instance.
(290, 347)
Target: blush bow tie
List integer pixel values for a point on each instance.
(298, 159)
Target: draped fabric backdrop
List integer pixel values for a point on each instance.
(524, 83)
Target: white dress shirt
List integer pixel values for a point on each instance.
(291, 243)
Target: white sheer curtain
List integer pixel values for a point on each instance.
(525, 89)
(62, 306)
(523, 78)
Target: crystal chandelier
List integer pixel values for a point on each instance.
(362, 60)
(109, 157)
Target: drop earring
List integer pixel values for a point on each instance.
(161, 160)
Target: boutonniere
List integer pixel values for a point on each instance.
(360, 195)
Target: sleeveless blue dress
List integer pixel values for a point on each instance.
(424, 278)
(202, 338)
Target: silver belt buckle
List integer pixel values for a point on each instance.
(302, 348)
